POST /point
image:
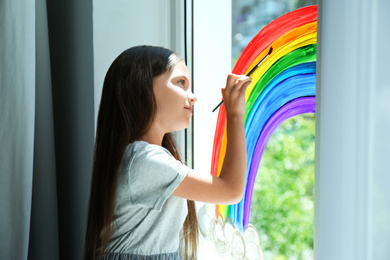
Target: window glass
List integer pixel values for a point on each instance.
(282, 207)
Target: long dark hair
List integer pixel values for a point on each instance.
(126, 112)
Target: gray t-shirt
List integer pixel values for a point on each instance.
(147, 217)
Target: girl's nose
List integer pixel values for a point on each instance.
(192, 98)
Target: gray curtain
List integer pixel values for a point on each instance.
(17, 106)
(47, 127)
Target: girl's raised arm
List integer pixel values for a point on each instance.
(229, 187)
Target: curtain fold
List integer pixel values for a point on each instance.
(17, 106)
(71, 69)
(44, 218)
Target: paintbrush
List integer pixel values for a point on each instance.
(249, 73)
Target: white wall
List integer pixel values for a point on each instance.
(121, 24)
(352, 203)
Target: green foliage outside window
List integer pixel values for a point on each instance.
(282, 207)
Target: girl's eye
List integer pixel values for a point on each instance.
(182, 82)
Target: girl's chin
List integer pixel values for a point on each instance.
(182, 127)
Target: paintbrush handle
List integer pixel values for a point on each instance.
(220, 103)
(257, 65)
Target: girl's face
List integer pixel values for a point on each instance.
(174, 99)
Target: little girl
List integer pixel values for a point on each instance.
(142, 196)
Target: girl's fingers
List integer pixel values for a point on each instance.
(231, 80)
(247, 83)
(242, 83)
(237, 81)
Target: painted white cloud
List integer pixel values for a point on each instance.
(227, 240)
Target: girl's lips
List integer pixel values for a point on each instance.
(188, 108)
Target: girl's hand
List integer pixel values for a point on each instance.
(234, 94)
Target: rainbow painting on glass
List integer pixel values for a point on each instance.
(283, 86)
